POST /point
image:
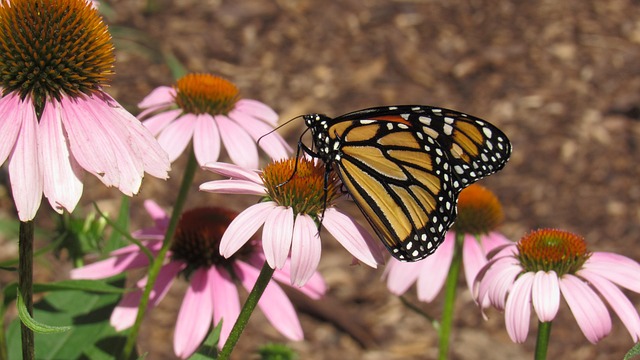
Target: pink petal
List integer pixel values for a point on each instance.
(160, 96)
(435, 270)
(270, 141)
(240, 146)
(62, 174)
(315, 287)
(194, 318)
(617, 300)
(590, 312)
(401, 275)
(233, 171)
(616, 268)
(157, 213)
(234, 187)
(257, 110)
(206, 140)
(518, 308)
(25, 171)
(274, 303)
(276, 236)
(473, 257)
(545, 295)
(111, 266)
(226, 301)
(497, 280)
(10, 123)
(244, 226)
(350, 235)
(159, 122)
(305, 250)
(177, 135)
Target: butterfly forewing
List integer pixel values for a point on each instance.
(404, 167)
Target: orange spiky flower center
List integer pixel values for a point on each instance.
(53, 48)
(301, 187)
(551, 249)
(479, 211)
(205, 94)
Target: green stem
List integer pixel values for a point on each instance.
(156, 265)
(542, 342)
(450, 288)
(25, 284)
(247, 309)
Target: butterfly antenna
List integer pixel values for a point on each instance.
(277, 128)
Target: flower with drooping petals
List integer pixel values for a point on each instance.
(549, 263)
(295, 197)
(479, 213)
(212, 294)
(208, 108)
(56, 122)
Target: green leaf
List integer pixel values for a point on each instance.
(117, 238)
(634, 351)
(37, 327)
(91, 336)
(95, 286)
(209, 348)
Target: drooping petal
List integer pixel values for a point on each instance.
(225, 299)
(62, 174)
(473, 257)
(351, 236)
(159, 122)
(233, 171)
(25, 172)
(274, 303)
(498, 280)
(240, 146)
(276, 236)
(588, 309)
(177, 135)
(401, 275)
(616, 268)
(244, 226)
(111, 266)
(257, 110)
(435, 269)
(206, 140)
(545, 295)
(10, 124)
(518, 308)
(157, 213)
(194, 318)
(617, 300)
(159, 97)
(271, 142)
(233, 187)
(305, 250)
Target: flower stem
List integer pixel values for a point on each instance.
(542, 342)
(25, 284)
(156, 265)
(450, 288)
(247, 309)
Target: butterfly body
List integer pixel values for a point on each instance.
(405, 165)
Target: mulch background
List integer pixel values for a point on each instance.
(560, 78)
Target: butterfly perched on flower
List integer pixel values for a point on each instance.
(404, 167)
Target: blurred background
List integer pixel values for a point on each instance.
(560, 78)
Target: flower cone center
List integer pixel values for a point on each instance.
(479, 211)
(305, 190)
(198, 235)
(205, 94)
(53, 48)
(551, 249)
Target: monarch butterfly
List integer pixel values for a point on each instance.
(404, 167)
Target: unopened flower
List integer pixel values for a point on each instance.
(548, 264)
(208, 109)
(295, 197)
(212, 294)
(479, 213)
(56, 121)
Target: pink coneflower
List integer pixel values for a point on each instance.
(291, 207)
(548, 263)
(212, 294)
(479, 213)
(56, 122)
(208, 108)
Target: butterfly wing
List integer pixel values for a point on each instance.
(404, 167)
